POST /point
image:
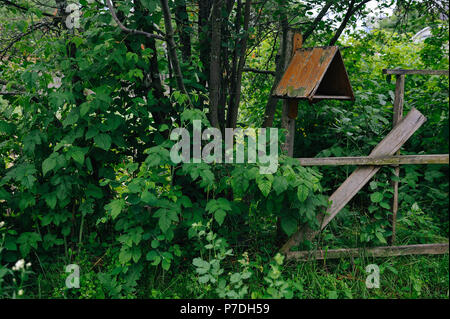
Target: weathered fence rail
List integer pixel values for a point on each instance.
(421, 249)
(367, 160)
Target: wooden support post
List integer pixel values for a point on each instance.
(398, 114)
(290, 106)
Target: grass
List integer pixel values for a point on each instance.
(405, 277)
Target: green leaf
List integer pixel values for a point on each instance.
(165, 264)
(103, 141)
(78, 156)
(302, 193)
(380, 237)
(155, 243)
(148, 198)
(50, 199)
(280, 184)
(125, 255)
(48, 165)
(26, 200)
(136, 254)
(264, 186)
(332, 294)
(94, 191)
(84, 108)
(288, 224)
(92, 131)
(385, 205)
(28, 240)
(151, 255)
(203, 279)
(115, 207)
(71, 118)
(376, 197)
(200, 263)
(164, 221)
(150, 4)
(219, 216)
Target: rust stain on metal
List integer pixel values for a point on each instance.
(315, 73)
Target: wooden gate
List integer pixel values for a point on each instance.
(386, 153)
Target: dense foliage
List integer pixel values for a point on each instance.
(86, 177)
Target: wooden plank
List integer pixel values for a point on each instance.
(292, 109)
(398, 114)
(332, 97)
(297, 42)
(425, 72)
(10, 93)
(385, 251)
(291, 105)
(399, 98)
(383, 160)
(388, 146)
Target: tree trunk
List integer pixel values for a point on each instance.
(204, 33)
(215, 65)
(237, 80)
(171, 47)
(282, 60)
(184, 29)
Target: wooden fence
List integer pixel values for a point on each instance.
(386, 153)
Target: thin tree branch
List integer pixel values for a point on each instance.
(127, 30)
(172, 49)
(259, 71)
(352, 9)
(19, 37)
(316, 21)
(7, 2)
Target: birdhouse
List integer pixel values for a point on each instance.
(315, 74)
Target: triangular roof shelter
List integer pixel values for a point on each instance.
(315, 74)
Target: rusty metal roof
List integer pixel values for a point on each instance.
(315, 74)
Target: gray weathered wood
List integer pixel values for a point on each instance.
(425, 72)
(398, 114)
(388, 146)
(384, 160)
(10, 93)
(386, 251)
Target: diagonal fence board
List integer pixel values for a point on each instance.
(388, 146)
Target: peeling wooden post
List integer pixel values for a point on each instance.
(290, 106)
(398, 114)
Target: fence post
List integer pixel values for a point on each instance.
(398, 114)
(290, 106)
